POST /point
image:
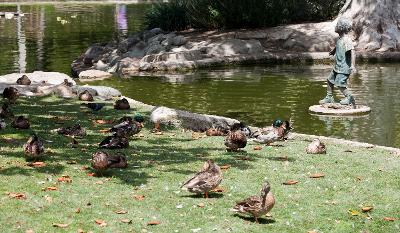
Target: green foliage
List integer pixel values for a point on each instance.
(180, 14)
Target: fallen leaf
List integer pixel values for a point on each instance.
(225, 167)
(65, 179)
(151, 223)
(71, 162)
(317, 175)
(37, 164)
(367, 208)
(158, 133)
(139, 197)
(390, 219)
(257, 148)
(359, 178)
(91, 174)
(100, 222)
(290, 182)
(104, 130)
(354, 212)
(120, 211)
(81, 231)
(311, 231)
(51, 188)
(60, 225)
(218, 190)
(125, 220)
(102, 122)
(201, 205)
(18, 196)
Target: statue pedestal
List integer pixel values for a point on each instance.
(338, 109)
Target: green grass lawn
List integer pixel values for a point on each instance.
(355, 177)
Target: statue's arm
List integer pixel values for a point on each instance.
(333, 51)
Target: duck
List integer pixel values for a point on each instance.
(74, 131)
(5, 111)
(11, 93)
(94, 106)
(209, 177)
(122, 104)
(67, 83)
(117, 161)
(33, 148)
(216, 132)
(128, 127)
(257, 205)
(114, 142)
(20, 123)
(2, 124)
(316, 147)
(99, 161)
(235, 139)
(85, 96)
(24, 80)
(276, 132)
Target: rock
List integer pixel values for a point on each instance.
(231, 47)
(60, 90)
(52, 78)
(188, 120)
(128, 65)
(138, 51)
(179, 40)
(93, 54)
(101, 91)
(94, 75)
(154, 48)
(248, 35)
(156, 31)
(100, 65)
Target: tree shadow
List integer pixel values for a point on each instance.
(251, 219)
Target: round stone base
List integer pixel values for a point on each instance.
(338, 109)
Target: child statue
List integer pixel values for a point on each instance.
(344, 64)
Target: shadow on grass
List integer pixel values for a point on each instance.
(211, 195)
(260, 220)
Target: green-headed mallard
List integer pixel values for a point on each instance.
(316, 147)
(117, 161)
(114, 142)
(85, 96)
(207, 179)
(122, 104)
(73, 131)
(100, 161)
(5, 111)
(11, 93)
(33, 148)
(24, 80)
(20, 123)
(236, 138)
(67, 83)
(129, 127)
(257, 205)
(277, 132)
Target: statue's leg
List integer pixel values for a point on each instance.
(348, 97)
(329, 94)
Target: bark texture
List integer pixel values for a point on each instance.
(376, 23)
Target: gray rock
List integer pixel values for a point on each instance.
(231, 47)
(154, 48)
(101, 91)
(94, 52)
(179, 40)
(53, 78)
(156, 31)
(100, 65)
(94, 74)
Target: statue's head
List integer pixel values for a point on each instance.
(344, 25)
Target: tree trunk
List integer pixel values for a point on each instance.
(376, 23)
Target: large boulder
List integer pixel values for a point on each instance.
(93, 75)
(101, 91)
(231, 47)
(51, 78)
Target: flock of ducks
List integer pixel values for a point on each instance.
(207, 179)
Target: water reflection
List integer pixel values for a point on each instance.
(121, 20)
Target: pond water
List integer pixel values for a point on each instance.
(50, 36)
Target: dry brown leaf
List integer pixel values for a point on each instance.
(290, 182)
(257, 148)
(60, 225)
(91, 174)
(225, 167)
(201, 205)
(51, 188)
(125, 220)
(37, 164)
(218, 190)
(78, 210)
(100, 222)
(120, 211)
(104, 130)
(311, 231)
(390, 219)
(359, 178)
(139, 197)
(151, 223)
(65, 179)
(18, 196)
(317, 175)
(367, 208)
(102, 122)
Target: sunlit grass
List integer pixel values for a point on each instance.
(158, 164)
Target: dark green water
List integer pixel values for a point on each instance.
(256, 95)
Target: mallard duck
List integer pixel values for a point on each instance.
(20, 123)
(117, 161)
(85, 96)
(2, 124)
(235, 139)
(114, 142)
(122, 104)
(277, 132)
(125, 118)
(33, 148)
(100, 161)
(129, 127)
(257, 205)
(5, 111)
(207, 179)
(11, 93)
(94, 106)
(24, 80)
(316, 147)
(67, 83)
(74, 131)
(216, 132)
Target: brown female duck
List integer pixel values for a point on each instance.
(73, 131)
(117, 161)
(5, 111)
(20, 123)
(33, 148)
(11, 93)
(85, 96)
(236, 138)
(24, 80)
(100, 161)
(114, 142)
(316, 147)
(122, 104)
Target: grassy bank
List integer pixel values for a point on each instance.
(148, 190)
